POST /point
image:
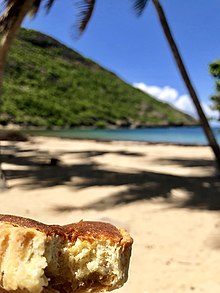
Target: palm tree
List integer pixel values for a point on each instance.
(13, 13)
(140, 6)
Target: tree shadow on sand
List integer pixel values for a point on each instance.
(35, 168)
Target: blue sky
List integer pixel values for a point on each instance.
(135, 48)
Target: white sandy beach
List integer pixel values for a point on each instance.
(166, 196)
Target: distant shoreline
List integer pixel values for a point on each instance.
(13, 126)
(24, 134)
(127, 142)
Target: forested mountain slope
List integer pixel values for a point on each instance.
(47, 84)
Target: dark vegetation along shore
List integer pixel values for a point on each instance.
(48, 84)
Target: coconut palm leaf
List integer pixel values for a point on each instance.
(35, 7)
(139, 6)
(37, 4)
(11, 7)
(49, 4)
(86, 8)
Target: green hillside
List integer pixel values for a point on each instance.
(47, 84)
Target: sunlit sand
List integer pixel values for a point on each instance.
(167, 196)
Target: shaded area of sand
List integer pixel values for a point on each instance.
(166, 196)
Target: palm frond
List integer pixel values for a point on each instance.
(10, 8)
(139, 6)
(9, 14)
(37, 4)
(86, 8)
(49, 4)
(35, 7)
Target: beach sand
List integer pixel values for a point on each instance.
(166, 196)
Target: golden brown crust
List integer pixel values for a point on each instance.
(89, 230)
(45, 290)
(29, 223)
(84, 230)
(94, 234)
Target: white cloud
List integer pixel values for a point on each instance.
(166, 94)
(170, 95)
(185, 104)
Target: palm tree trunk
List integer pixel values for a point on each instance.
(5, 45)
(203, 120)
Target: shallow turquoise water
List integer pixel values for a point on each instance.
(179, 135)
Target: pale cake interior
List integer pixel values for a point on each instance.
(31, 261)
(22, 259)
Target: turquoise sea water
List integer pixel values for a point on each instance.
(178, 135)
